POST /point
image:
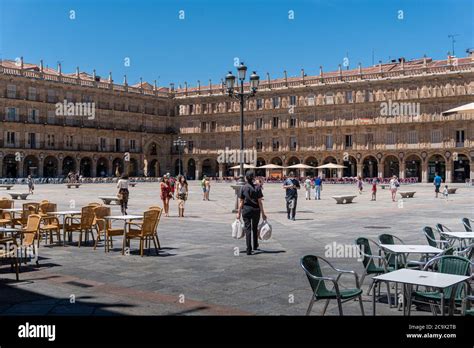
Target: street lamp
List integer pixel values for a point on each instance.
(179, 143)
(241, 96)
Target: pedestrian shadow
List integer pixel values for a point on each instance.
(261, 251)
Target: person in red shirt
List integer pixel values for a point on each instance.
(374, 190)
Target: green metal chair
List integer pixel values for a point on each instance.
(317, 280)
(467, 224)
(447, 264)
(398, 261)
(373, 264)
(432, 241)
(466, 306)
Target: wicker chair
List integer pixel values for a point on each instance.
(6, 218)
(7, 252)
(50, 223)
(82, 224)
(146, 229)
(30, 235)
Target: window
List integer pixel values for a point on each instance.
(33, 115)
(203, 126)
(102, 144)
(292, 122)
(213, 126)
(51, 98)
(293, 100)
(69, 140)
(311, 100)
(293, 143)
(329, 98)
(11, 91)
(12, 114)
(259, 144)
(436, 136)
(369, 138)
(276, 102)
(52, 117)
(31, 140)
(191, 109)
(259, 123)
(204, 108)
(259, 104)
(89, 99)
(348, 141)
(11, 138)
(190, 146)
(349, 97)
(228, 143)
(228, 106)
(276, 122)
(69, 97)
(368, 96)
(412, 137)
(50, 140)
(118, 145)
(31, 93)
(214, 107)
(329, 142)
(459, 138)
(311, 141)
(275, 144)
(133, 145)
(391, 138)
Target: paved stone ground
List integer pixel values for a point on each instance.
(197, 271)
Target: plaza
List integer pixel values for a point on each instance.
(201, 270)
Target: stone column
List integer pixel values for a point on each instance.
(40, 168)
(449, 171)
(198, 170)
(94, 167)
(359, 169)
(19, 173)
(380, 168)
(424, 171)
(401, 170)
(267, 171)
(471, 169)
(1, 167)
(221, 170)
(339, 173)
(110, 168)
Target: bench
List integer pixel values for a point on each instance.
(343, 199)
(70, 185)
(452, 191)
(8, 187)
(407, 194)
(15, 195)
(383, 186)
(109, 199)
(132, 184)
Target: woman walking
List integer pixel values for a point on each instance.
(165, 194)
(31, 184)
(123, 193)
(394, 184)
(182, 194)
(251, 207)
(360, 184)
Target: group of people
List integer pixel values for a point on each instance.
(73, 177)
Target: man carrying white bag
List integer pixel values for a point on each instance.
(250, 207)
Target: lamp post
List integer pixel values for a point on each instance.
(241, 95)
(179, 143)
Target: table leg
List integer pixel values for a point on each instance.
(64, 230)
(404, 299)
(124, 236)
(442, 301)
(373, 297)
(396, 284)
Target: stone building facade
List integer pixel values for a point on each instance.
(378, 121)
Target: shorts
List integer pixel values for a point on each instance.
(204, 189)
(437, 188)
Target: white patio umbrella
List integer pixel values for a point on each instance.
(331, 166)
(246, 166)
(270, 166)
(463, 109)
(300, 166)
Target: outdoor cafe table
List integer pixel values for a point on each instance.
(461, 236)
(64, 214)
(125, 219)
(9, 230)
(406, 249)
(412, 277)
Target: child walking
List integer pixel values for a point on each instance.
(374, 190)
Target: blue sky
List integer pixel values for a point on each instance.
(213, 33)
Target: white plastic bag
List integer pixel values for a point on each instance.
(264, 230)
(237, 229)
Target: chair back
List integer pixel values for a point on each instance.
(100, 213)
(430, 236)
(310, 265)
(386, 239)
(364, 246)
(467, 224)
(31, 230)
(6, 203)
(87, 217)
(150, 218)
(44, 201)
(454, 265)
(94, 204)
(390, 258)
(47, 207)
(160, 210)
(27, 206)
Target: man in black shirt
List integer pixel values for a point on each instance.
(251, 206)
(291, 185)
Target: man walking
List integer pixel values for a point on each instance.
(437, 183)
(291, 185)
(318, 186)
